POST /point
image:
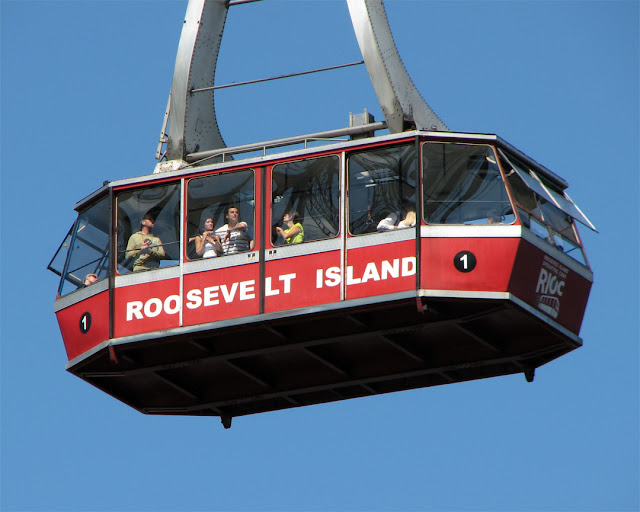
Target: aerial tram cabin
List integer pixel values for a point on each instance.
(423, 257)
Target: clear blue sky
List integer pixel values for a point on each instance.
(84, 87)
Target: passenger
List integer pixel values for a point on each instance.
(234, 235)
(409, 220)
(208, 243)
(145, 249)
(90, 279)
(294, 234)
(389, 222)
(493, 218)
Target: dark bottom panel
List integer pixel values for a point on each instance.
(324, 357)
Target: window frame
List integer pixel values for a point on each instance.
(402, 198)
(270, 200)
(105, 256)
(500, 174)
(188, 200)
(177, 195)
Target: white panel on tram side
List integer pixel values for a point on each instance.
(226, 261)
(148, 276)
(303, 249)
(462, 294)
(471, 231)
(382, 238)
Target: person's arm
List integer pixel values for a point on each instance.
(132, 251)
(199, 240)
(388, 223)
(238, 227)
(158, 250)
(218, 244)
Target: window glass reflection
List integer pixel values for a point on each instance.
(542, 217)
(558, 220)
(56, 265)
(88, 258)
(148, 228)
(539, 229)
(382, 189)
(522, 194)
(221, 214)
(305, 198)
(463, 185)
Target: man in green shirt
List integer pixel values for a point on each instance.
(145, 249)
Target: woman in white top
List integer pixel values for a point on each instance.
(208, 243)
(409, 219)
(389, 223)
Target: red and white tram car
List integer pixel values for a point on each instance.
(423, 258)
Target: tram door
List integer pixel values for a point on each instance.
(381, 221)
(304, 246)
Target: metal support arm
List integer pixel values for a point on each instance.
(193, 126)
(399, 99)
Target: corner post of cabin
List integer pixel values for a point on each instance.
(418, 199)
(113, 258)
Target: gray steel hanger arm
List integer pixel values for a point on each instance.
(193, 126)
(399, 99)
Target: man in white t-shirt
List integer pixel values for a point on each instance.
(235, 235)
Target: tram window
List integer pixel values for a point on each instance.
(558, 220)
(144, 245)
(539, 229)
(382, 189)
(522, 194)
(89, 250)
(209, 198)
(463, 185)
(563, 231)
(569, 247)
(543, 218)
(311, 189)
(56, 265)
